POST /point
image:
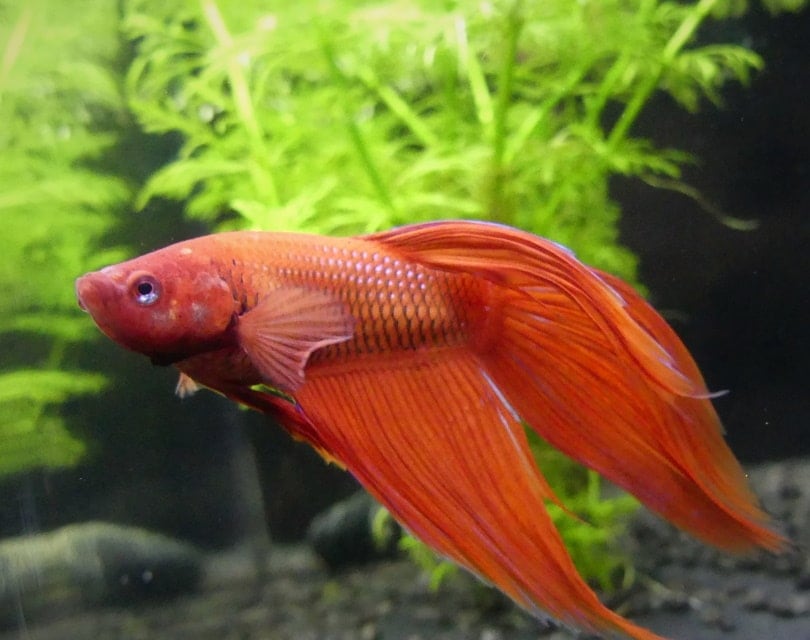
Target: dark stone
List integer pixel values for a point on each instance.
(790, 491)
(792, 606)
(803, 581)
(755, 600)
(342, 535)
(83, 565)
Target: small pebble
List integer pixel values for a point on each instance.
(751, 562)
(789, 491)
(426, 613)
(369, 632)
(676, 602)
(755, 600)
(713, 616)
(639, 604)
(726, 624)
(792, 606)
(726, 563)
(803, 581)
(785, 564)
(737, 587)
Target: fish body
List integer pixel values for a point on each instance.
(413, 357)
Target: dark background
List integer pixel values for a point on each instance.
(740, 299)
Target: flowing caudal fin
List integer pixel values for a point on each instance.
(596, 372)
(431, 437)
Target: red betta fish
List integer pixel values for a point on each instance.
(413, 358)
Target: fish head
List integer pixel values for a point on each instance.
(168, 305)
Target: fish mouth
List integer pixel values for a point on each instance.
(81, 288)
(89, 290)
(95, 296)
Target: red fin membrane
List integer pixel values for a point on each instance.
(281, 332)
(433, 440)
(598, 374)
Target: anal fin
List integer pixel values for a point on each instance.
(433, 440)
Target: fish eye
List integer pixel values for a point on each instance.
(145, 289)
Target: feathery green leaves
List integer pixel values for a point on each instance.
(354, 116)
(63, 108)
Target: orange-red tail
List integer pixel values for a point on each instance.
(589, 365)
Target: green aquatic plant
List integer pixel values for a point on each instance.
(348, 116)
(603, 512)
(59, 101)
(353, 116)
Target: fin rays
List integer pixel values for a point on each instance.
(444, 453)
(600, 375)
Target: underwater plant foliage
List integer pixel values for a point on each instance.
(61, 114)
(336, 116)
(349, 116)
(354, 116)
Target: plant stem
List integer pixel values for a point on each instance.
(498, 207)
(597, 104)
(505, 85)
(475, 76)
(261, 173)
(239, 85)
(683, 34)
(356, 135)
(398, 106)
(371, 168)
(643, 14)
(14, 45)
(517, 141)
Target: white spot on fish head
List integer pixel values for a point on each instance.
(161, 319)
(199, 313)
(186, 251)
(114, 273)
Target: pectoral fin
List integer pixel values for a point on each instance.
(281, 332)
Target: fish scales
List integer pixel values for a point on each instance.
(399, 306)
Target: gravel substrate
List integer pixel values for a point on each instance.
(685, 592)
